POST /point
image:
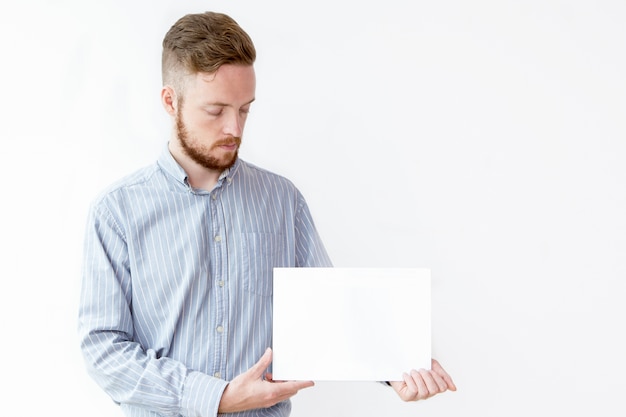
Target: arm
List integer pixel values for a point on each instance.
(423, 384)
(128, 372)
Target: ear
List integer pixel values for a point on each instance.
(168, 100)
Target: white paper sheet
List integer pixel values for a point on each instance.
(350, 324)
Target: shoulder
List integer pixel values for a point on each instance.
(248, 172)
(262, 184)
(140, 178)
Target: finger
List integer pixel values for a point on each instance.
(273, 393)
(431, 385)
(292, 386)
(422, 389)
(270, 377)
(298, 385)
(412, 390)
(286, 390)
(441, 383)
(257, 370)
(436, 367)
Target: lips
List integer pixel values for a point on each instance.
(229, 145)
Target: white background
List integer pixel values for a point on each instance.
(485, 140)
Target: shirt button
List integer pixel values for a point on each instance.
(217, 375)
(220, 283)
(218, 238)
(220, 329)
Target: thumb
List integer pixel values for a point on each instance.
(259, 368)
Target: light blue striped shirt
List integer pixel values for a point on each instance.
(176, 295)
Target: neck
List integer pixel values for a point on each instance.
(198, 176)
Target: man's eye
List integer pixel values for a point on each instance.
(214, 111)
(244, 110)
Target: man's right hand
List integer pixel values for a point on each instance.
(253, 389)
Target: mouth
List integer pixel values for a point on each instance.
(230, 147)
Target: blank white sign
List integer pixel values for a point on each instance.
(350, 324)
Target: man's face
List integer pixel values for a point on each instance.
(211, 116)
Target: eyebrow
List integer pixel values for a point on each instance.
(219, 103)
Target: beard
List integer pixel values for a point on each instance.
(204, 155)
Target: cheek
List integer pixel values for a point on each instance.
(207, 128)
(202, 125)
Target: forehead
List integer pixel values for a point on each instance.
(230, 84)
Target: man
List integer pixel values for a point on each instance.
(176, 304)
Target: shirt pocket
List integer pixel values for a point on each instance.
(261, 254)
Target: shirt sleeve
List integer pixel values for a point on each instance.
(126, 371)
(310, 250)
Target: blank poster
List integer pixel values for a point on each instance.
(350, 324)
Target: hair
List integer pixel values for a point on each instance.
(203, 42)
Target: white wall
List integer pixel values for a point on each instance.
(485, 140)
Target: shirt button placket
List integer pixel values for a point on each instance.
(218, 261)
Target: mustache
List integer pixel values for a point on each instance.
(232, 140)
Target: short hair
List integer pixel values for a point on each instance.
(203, 42)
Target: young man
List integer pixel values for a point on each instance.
(176, 305)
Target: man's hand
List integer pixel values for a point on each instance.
(253, 389)
(422, 384)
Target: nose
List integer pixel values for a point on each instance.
(234, 124)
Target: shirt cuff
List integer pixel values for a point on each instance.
(201, 395)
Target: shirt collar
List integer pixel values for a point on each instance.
(167, 162)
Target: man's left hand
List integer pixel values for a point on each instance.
(423, 384)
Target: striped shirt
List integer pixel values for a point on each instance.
(176, 295)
